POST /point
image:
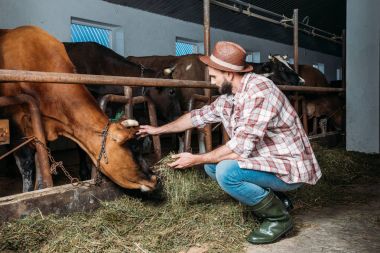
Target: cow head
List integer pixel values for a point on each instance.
(166, 101)
(125, 165)
(280, 72)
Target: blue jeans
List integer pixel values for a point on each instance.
(246, 185)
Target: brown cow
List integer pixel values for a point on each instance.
(93, 58)
(67, 109)
(186, 67)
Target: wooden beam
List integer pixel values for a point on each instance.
(59, 200)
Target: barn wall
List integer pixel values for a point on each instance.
(144, 33)
(363, 65)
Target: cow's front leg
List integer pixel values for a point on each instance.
(39, 184)
(25, 162)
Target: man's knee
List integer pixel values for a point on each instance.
(227, 171)
(210, 170)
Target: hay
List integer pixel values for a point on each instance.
(182, 186)
(342, 172)
(194, 214)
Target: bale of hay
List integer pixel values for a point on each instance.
(183, 186)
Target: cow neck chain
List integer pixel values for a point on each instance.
(54, 164)
(102, 153)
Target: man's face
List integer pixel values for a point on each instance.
(218, 78)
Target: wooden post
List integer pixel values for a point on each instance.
(206, 24)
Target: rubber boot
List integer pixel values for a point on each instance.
(276, 220)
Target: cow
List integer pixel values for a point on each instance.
(187, 67)
(322, 107)
(282, 73)
(93, 58)
(67, 109)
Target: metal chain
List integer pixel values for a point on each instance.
(74, 180)
(54, 165)
(104, 133)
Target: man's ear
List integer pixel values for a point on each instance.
(229, 76)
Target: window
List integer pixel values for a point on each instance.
(109, 35)
(320, 67)
(253, 57)
(86, 33)
(184, 47)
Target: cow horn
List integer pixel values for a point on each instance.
(168, 71)
(130, 123)
(285, 57)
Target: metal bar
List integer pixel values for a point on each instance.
(206, 24)
(16, 148)
(128, 106)
(38, 132)
(68, 78)
(153, 122)
(253, 7)
(187, 141)
(304, 115)
(317, 136)
(295, 39)
(307, 89)
(136, 100)
(271, 20)
(248, 13)
(295, 53)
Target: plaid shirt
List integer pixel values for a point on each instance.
(264, 129)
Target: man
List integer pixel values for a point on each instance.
(268, 150)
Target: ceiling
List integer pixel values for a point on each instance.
(329, 15)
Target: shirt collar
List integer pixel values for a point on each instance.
(243, 82)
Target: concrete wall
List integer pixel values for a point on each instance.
(363, 59)
(140, 33)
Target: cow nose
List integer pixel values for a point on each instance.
(172, 92)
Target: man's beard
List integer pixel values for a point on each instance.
(226, 88)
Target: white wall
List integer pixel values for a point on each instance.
(363, 59)
(144, 33)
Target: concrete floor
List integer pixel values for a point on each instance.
(338, 228)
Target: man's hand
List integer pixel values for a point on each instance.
(145, 130)
(185, 160)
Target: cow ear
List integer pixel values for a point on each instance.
(126, 129)
(270, 57)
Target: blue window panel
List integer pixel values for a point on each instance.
(183, 48)
(86, 33)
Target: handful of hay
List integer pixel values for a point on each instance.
(182, 186)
